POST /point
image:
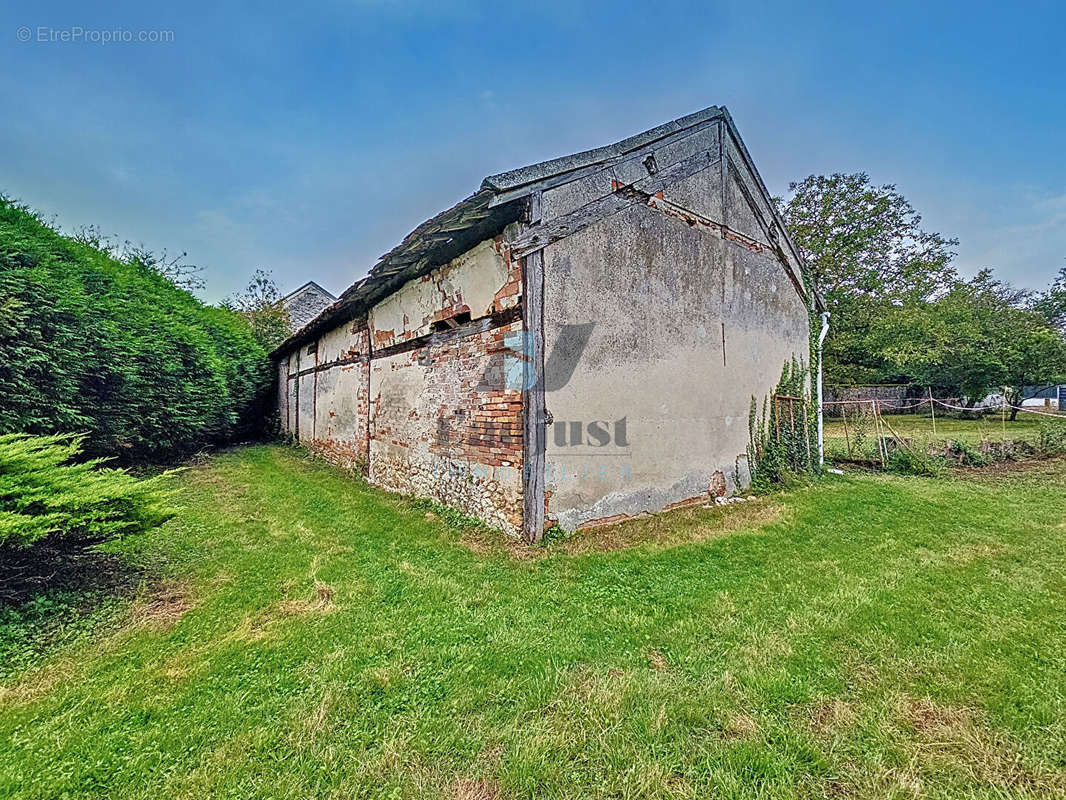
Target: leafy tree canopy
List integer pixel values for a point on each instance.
(979, 336)
(1051, 304)
(900, 313)
(865, 241)
(260, 304)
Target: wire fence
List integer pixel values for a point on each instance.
(872, 430)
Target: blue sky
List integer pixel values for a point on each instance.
(308, 139)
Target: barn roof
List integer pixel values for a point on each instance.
(498, 202)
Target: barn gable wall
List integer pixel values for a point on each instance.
(690, 319)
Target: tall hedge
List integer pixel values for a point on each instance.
(95, 345)
(46, 491)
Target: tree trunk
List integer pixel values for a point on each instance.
(1013, 399)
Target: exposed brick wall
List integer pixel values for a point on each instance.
(437, 431)
(434, 421)
(479, 419)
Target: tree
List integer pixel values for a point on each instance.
(867, 255)
(95, 344)
(861, 240)
(174, 268)
(261, 305)
(48, 491)
(1051, 304)
(977, 337)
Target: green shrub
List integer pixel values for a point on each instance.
(46, 492)
(964, 453)
(1052, 436)
(110, 347)
(905, 461)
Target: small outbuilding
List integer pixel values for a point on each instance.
(577, 342)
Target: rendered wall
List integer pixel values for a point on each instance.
(690, 321)
(324, 400)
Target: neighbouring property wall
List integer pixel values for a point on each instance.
(691, 318)
(414, 393)
(305, 303)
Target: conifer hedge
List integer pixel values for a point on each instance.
(47, 491)
(110, 349)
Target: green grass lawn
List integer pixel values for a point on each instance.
(920, 427)
(864, 637)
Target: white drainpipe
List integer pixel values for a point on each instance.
(821, 438)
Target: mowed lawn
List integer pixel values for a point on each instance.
(863, 637)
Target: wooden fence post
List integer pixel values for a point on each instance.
(931, 409)
(879, 432)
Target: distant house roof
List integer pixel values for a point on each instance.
(309, 285)
(499, 202)
(306, 303)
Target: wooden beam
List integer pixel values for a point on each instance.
(577, 173)
(533, 412)
(540, 236)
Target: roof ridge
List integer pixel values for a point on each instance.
(512, 179)
(316, 284)
(495, 204)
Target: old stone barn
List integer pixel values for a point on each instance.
(577, 342)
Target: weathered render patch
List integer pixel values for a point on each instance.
(475, 284)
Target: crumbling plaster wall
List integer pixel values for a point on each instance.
(689, 325)
(440, 431)
(419, 401)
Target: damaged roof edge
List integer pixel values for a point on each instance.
(534, 173)
(433, 243)
(439, 239)
(743, 148)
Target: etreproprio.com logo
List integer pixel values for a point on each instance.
(78, 34)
